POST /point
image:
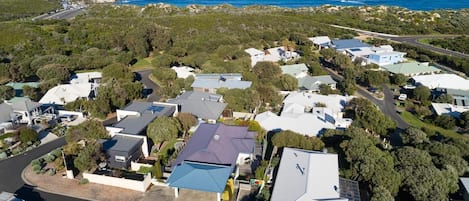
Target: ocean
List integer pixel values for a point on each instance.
(410, 4)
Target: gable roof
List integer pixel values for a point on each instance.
(410, 68)
(200, 176)
(148, 111)
(66, 93)
(201, 104)
(306, 175)
(294, 70)
(348, 44)
(313, 82)
(217, 144)
(320, 40)
(447, 81)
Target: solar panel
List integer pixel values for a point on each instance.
(349, 189)
(155, 108)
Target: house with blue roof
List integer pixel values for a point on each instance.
(211, 158)
(343, 44)
(211, 82)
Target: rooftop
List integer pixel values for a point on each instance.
(307, 175)
(5, 112)
(183, 71)
(447, 81)
(201, 104)
(348, 44)
(217, 144)
(465, 183)
(449, 109)
(295, 70)
(313, 82)
(253, 51)
(20, 85)
(411, 68)
(121, 143)
(320, 40)
(216, 84)
(66, 93)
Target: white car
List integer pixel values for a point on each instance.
(402, 97)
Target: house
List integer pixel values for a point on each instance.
(183, 71)
(135, 117)
(307, 175)
(342, 45)
(295, 70)
(460, 97)
(411, 68)
(203, 105)
(66, 93)
(312, 83)
(122, 150)
(88, 77)
(321, 41)
(386, 58)
(21, 110)
(211, 82)
(307, 114)
(443, 81)
(382, 55)
(18, 86)
(449, 109)
(465, 184)
(273, 55)
(211, 157)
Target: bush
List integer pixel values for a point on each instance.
(84, 181)
(36, 162)
(145, 170)
(445, 121)
(37, 169)
(52, 172)
(3, 155)
(49, 158)
(57, 153)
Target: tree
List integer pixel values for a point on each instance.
(164, 61)
(241, 100)
(464, 119)
(157, 170)
(6, 92)
(381, 194)
(32, 93)
(28, 135)
(53, 71)
(375, 78)
(288, 83)
(369, 117)
(342, 61)
(328, 53)
(89, 130)
(447, 155)
(117, 71)
(163, 129)
(399, 79)
(445, 121)
(413, 136)
(87, 157)
(266, 70)
(444, 98)
(186, 120)
(422, 93)
(291, 139)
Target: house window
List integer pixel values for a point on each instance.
(119, 158)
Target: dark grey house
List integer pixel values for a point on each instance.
(121, 150)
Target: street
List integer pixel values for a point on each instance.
(148, 84)
(62, 14)
(11, 169)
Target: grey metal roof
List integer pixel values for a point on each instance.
(121, 143)
(216, 76)
(216, 84)
(201, 104)
(313, 82)
(465, 183)
(26, 105)
(457, 92)
(348, 43)
(135, 125)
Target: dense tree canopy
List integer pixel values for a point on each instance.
(369, 117)
(163, 129)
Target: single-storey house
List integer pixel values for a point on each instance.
(88, 77)
(183, 71)
(203, 105)
(211, 82)
(307, 114)
(411, 68)
(460, 97)
(273, 55)
(312, 83)
(444, 81)
(321, 41)
(342, 45)
(465, 184)
(295, 70)
(21, 110)
(7, 117)
(382, 55)
(307, 175)
(210, 158)
(66, 93)
(135, 117)
(449, 109)
(122, 150)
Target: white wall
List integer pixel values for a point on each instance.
(123, 113)
(134, 166)
(141, 186)
(66, 112)
(113, 130)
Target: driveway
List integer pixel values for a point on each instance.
(11, 169)
(148, 84)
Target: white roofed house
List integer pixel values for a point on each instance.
(307, 175)
(211, 82)
(183, 71)
(256, 55)
(66, 93)
(307, 114)
(273, 55)
(321, 41)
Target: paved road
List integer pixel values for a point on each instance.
(11, 169)
(413, 40)
(61, 15)
(148, 84)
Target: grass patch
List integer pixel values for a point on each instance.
(167, 149)
(424, 41)
(142, 64)
(414, 121)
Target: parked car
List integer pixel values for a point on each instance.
(68, 117)
(402, 97)
(372, 90)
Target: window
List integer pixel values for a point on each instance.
(120, 158)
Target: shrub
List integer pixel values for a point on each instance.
(49, 158)
(84, 181)
(3, 155)
(145, 170)
(52, 172)
(35, 162)
(57, 153)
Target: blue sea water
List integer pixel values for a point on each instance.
(410, 4)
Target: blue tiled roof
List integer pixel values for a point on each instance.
(348, 44)
(200, 176)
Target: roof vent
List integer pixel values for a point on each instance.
(216, 137)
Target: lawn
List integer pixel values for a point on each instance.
(142, 64)
(414, 121)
